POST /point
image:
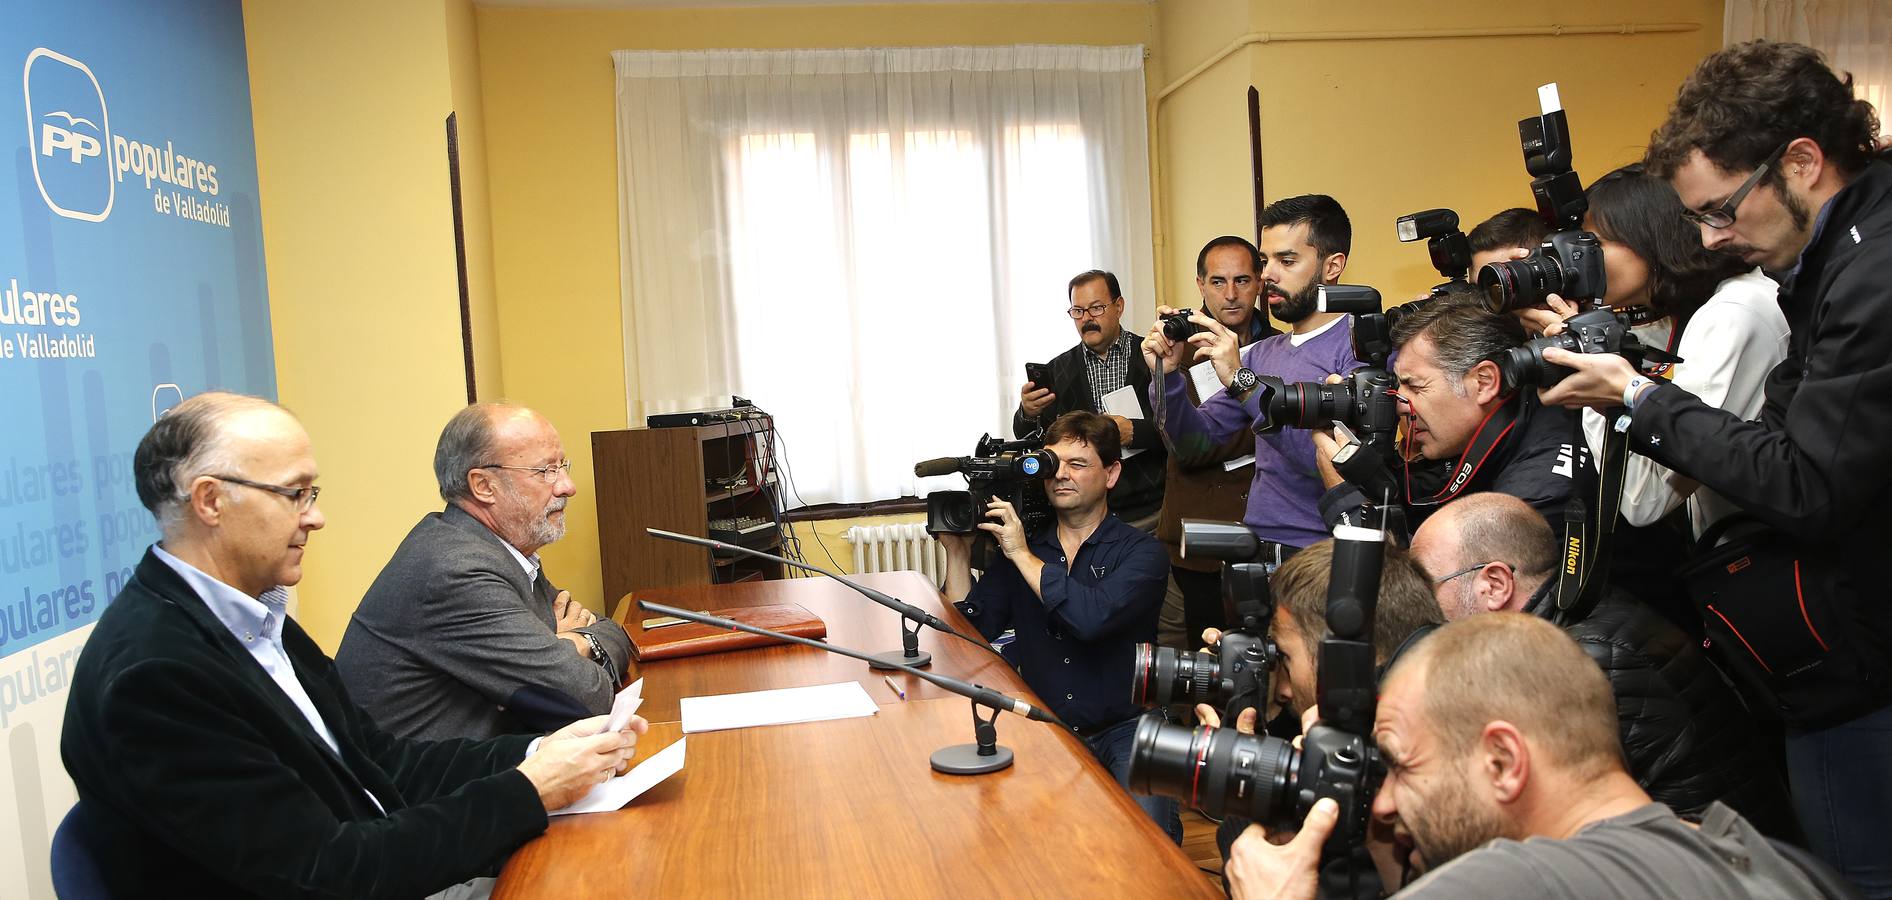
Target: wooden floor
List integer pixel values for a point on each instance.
(1199, 844)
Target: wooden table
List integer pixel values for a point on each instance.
(850, 807)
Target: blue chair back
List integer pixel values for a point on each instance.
(80, 854)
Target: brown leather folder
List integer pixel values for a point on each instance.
(692, 639)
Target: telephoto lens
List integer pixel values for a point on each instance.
(1515, 284)
(1217, 770)
(1165, 675)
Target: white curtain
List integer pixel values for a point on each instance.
(1855, 35)
(870, 244)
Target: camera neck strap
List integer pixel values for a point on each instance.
(1586, 564)
(1491, 432)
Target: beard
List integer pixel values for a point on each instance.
(1452, 823)
(1296, 307)
(536, 527)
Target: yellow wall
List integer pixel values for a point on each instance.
(350, 99)
(552, 154)
(1393, 126)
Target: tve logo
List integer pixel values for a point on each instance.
(65, 116)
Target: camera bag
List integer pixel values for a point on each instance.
(1775, 616)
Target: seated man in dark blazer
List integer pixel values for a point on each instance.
(462, 634)
(213, 743)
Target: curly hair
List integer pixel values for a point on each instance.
(1745, 101)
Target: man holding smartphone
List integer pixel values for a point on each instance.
(1106, 360)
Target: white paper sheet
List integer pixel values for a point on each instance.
(845, 700)
(1123, 402)
(623, 789)
(625, 705)
(1207, 383)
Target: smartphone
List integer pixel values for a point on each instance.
(1039, 374)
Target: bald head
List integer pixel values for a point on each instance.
(477, 436)
(1521, 670)
(1479, 530)
(202, 435)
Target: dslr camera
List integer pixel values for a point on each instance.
(1596, 331)
(1570, 262)
(1222, 771)
(1238, 666)
(1364, 400)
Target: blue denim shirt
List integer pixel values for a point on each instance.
(1075, 647)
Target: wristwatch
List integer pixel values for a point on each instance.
(1243, 381)
(597, 650)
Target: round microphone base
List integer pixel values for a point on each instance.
(964, 759)
(894, 659)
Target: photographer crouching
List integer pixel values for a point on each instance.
(1504, 778)
(1468, 429)
(1080, 594)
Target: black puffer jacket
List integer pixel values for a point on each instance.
(1688, 738)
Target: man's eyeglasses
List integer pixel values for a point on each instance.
(1723, 216)
(1094, 310)
(548, 474)
(303, 497)
(1465, 571)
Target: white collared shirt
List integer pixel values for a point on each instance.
(257, 624)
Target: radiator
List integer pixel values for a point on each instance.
(896, 548)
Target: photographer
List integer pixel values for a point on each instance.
(1105, 360)
(1505, 779)
(1081, 594)
(1466, 431)
(1198, 484)
(1405, 613)
(1687, 737)
(1776, 162)
(1304, 244)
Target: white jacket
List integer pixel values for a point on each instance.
(1729, 346)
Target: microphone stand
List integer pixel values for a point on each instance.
(909, 653)
(982, 756)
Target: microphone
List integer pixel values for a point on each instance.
(960, 759)
(909, 654)
(945, 465)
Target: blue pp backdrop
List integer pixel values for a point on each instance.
(131, 276)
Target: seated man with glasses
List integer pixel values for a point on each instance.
(462, 634)
(1688, 740)
(1106, 359)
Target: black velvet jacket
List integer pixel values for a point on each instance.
(209, 782)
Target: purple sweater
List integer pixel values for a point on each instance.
(1284, 498)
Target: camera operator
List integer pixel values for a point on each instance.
(1304, 244)
(1714, 311)
(1688, 739)
(1198, 484)
(1775, 161)
(1505, 778)
(1510, 234)
(1406, 612)
(1081, 594)
(1106, 359)
(1466, 431)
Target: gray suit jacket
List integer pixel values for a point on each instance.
(452, 641)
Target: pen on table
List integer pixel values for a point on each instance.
(894, 687)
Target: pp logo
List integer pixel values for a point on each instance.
(70, 134)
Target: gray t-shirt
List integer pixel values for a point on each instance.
(1644, 853)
